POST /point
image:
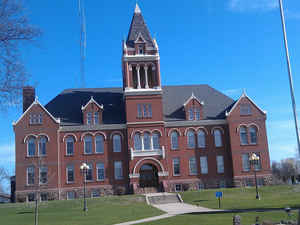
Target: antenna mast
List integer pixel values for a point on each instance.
(82, 42)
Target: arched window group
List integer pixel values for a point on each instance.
(88, 144)
(146, 141)
(37, 145)
(248, 135)
(192, 136)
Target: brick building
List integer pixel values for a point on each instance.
(141, 137)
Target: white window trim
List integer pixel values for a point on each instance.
(97, 171)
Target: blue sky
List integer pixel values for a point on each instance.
(228, 44)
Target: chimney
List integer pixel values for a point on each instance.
(28, 97)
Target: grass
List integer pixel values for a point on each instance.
(244, 198)
(105, 210)
(222, 219)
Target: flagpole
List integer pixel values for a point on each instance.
(290, 74)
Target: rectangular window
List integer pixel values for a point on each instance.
(149, 110)
(197, 113)
(70, 195)
(31, 197)
(222, 184)
(201, 186)
(30, 175)
(70, 146)
(246, 162)
(178, 187)
(176, 167)
(44, 197)
(96, 193)
(100, 171)
(35, 118)
(193, 166)
(245, 109)
(89, 172)
(220, 164)
(139, 108)
(88, 146)
(40, 118)
(191, 114)
(118, 170)
(43, 175)
(203, 165)
(89, 118)
(70, 174)
(257, 165)
(145, 110)
(96, 118)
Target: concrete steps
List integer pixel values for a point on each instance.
(163, 198)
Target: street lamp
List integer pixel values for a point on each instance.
(84, 169)
(254, 159)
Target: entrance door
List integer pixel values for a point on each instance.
(148, 176)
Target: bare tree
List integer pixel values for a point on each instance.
(3, 177)
(15, 31)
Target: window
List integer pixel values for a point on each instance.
(174, 140)
(89, 118)
(100, 171)
(220, 164)
(137, 142)
(218, 138)
(42, 145)
(149, 110)
(257, 165)
(201, 139)
(197, 114)
(141, 50)
(191, 139)
(253, 135)
(70, 195)
(40, 118)
(245, 162)
(201, 186)
(31, 146)
(155, 140)
(117, 143)
(203, 165)
(118, 170)
(147, 141)
(96, 117)
(88, 144)
(222, 184)
(139, 108)
(178, 187)
(245, 109)
(99, 144)
(30, 175)
(176, 167)
(191, 114)
(70, 174)
(70, 145)
(43, 175)
(89, 172)
(31, 197)
(145, 110)
(44, 197)
(193, 166)
(35, 118)
(243, 135)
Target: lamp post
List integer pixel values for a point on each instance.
(254, 159)
(84, 169)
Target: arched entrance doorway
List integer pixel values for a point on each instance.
(148, 176)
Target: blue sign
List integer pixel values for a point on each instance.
(219, 194)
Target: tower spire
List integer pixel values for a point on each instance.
(137, 9)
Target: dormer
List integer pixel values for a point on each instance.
(193, 108)
(92, 112)
(140, 45)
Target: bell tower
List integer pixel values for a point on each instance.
(140, 62)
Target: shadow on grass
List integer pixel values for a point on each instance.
(200, 200)
(24, 212)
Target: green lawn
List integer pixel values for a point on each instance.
(243, 198)
(105, 210)
(222, 219)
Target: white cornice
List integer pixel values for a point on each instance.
(140, 58)
(194, 123)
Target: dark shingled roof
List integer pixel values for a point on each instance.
(67, 105)
(137, 26)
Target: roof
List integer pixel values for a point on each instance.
(114, 107)
(138, 27)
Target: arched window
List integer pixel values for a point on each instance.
(137, 142)
(70, 145)
(253, 135)
(218, 138)
(147, 141)
(117, 143)
(201, 139)
(243, 135)
(191, 139)
(99, 141)
(42, 145)
(174, 140)
(155, 140)
(88, 147)
(31, 146)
